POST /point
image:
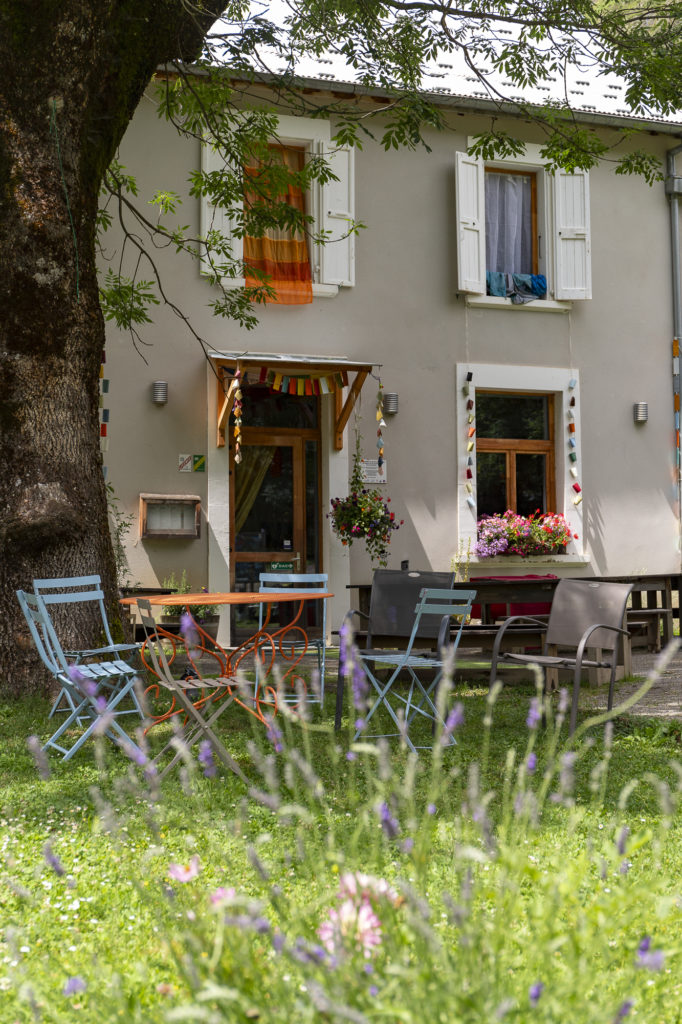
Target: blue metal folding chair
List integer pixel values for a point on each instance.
(315, 582)
(418, 703)
(94, 690)
(78, 590)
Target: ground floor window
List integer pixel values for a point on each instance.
(515, 452)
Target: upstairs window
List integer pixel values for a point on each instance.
(514, 452)
(513, 215)
(331, 205)
(280, 252)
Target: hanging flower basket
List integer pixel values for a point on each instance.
(513, 534)
(364, 514)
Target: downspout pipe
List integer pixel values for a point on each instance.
(673, 189)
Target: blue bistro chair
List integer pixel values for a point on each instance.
(313, 582)
(452, 607)
(84, 684)
(73, 590)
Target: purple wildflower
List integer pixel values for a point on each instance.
(39, 757)
(455, 718)
(74, 985)
(188, 630)
(360, 685)
(531, 762)
(205, 759)
(563, 701)
(52, 860)
(345, 641)
(623, 1011)
(650, 959)
(389, 824)
(351, 756)
(534, 992)
(622, 840)
(274, 734)
(373, 990)
(534, 713)
(431, 809)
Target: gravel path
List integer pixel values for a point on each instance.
(663, 700)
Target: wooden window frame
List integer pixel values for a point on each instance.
(511, 446)
(191, 533)
(533, 205)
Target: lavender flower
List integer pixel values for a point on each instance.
(650, 959)
(389, 824)
(74, 985)
(52, 860)
(39, 757)
(623, 1011)
(622, 840)
(531, 762)
(205, 759)
(274, 734)
(534, 992)
(534, 713)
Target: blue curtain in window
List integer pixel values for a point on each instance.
(508, 237)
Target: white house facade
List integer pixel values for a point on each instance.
(513, 389)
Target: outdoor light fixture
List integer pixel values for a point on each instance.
(640, 412)
(160, 392)
(390, 403)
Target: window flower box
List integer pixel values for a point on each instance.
(511, 534)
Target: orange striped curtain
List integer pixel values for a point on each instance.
(281, 254)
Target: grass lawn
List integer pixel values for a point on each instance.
(510, 877)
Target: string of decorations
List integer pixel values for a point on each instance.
(380, 424)
(572, 444)
(237, 412)
(470, 441)
(103, 413)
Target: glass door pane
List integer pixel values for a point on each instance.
(531, 493)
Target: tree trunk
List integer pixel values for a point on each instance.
(73, 73)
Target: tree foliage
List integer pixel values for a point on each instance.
(507, 47)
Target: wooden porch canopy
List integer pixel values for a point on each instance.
(293, 374)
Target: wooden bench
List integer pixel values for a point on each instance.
(645, 626)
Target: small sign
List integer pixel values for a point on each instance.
(198, 463)
(185, 463)
(281, 566)
(372, 472)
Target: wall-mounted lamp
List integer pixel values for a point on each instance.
(640, 412)
(390, 402)
(160, 392)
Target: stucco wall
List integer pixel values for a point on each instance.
(404, 312)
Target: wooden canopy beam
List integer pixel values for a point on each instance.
(343, 412)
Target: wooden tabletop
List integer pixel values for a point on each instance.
(230, 597)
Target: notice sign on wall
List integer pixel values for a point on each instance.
(185, 463)
(371, 473)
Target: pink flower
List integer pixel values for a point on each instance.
(222, 895)
(355, 925)
(184, 872)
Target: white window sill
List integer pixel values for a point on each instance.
(534, 306)
(516, 562)
(320, 291)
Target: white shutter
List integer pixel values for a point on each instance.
(470, 196)
(214, 218)
(572, 257)
(337, 257)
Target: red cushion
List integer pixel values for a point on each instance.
(499, 611)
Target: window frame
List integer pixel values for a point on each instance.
(563, 228)
(564, 384)
(332, 205)
(510, 447)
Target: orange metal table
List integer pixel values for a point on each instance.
(264, 645)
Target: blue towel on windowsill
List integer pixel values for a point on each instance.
(519, 287)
